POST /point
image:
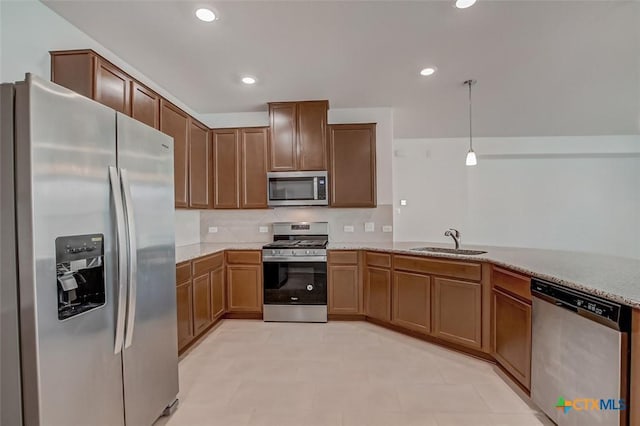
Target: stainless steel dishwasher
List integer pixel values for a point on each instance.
(580, 354)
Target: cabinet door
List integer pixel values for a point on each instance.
(244, 284)
(378, 293)
(344, 292)
(175, 123)
(412, 301)
(457, 310)
(145, 105)
(312, 135)
(253, 147)
(74, 70)
(283, 140)
(352, 165)
(184, 310)
(512, 336)
(113, 87)
(226, 188)
(218, 294)
(202, 317)
(199, 166)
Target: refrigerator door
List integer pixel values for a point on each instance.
(10, 402)
(150, 356)
(65, 144)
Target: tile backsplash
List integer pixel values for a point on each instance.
(245, 225)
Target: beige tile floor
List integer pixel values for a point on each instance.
(250, 373)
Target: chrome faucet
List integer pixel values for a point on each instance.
(455, 234)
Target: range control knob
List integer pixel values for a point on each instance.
(307, 252)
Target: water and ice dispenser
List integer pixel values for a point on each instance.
(80, 274)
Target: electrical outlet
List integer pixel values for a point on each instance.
(213, 229)
(387, 228)
(369, 227)
(348, 228)
(263, 229)
(403, 202)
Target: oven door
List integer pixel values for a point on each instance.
(296, 282)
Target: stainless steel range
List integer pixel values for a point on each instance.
(295, 272)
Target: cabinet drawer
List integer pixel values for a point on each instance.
(516, 284)
(183, 272)
(343, 257)
(243, 257)
(378, 259)
(206, 264)
(456, 269)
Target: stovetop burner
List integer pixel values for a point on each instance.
(297, 244)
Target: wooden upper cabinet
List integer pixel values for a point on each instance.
(75, 70)
(457, 311)
(253, 148)
(175, 123)
(352, 165)
(87, 73)
(145, 105)
(298, 135)
(312, 135)
(113, 87)
(283, 128)
(200, 173)
(226, 173)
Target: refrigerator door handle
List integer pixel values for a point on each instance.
(133, 258)
(116, 193)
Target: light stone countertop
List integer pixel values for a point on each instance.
(610, 277)
(193, 251)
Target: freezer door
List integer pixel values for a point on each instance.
(10, 401)
(65, 144)
(150, 356)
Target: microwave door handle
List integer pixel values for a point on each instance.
(121, 240)
(315, 188)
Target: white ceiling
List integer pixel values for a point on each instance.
(543, 67)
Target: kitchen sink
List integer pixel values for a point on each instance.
(449, 251)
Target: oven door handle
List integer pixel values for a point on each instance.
(275, 259)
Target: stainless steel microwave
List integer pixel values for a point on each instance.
(297, 189)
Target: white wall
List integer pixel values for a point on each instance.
(29, 30)
(573, 193)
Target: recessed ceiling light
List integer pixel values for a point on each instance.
(248, 80)
(463, 4)
(206, 15)
(427, 71)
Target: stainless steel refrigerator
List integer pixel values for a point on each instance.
(88, 262)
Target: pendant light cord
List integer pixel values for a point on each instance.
(470, 82)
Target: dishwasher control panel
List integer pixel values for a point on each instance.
(611, 312)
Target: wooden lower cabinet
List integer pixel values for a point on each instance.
(412, 301)
(344, 289)
(202, 317)
(511, 343)
(184, 308)
(458, 311)
(378, 293)
(244, 285)
(218, 293)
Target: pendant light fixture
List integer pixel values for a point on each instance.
(471, 155)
